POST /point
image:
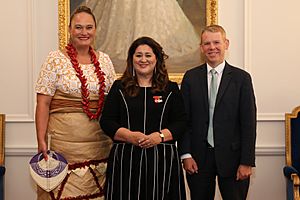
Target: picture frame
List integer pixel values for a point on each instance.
(2, 141)
(211, 17)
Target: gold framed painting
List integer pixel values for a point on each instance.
(175, 24)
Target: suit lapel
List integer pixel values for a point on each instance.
(226, 77)
(203, 82)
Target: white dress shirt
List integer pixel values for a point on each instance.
(219, 69)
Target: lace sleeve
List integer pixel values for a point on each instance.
(108, 69)
(46, 82)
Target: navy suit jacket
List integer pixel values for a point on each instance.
(234, 120)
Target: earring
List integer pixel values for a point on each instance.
(133, 72)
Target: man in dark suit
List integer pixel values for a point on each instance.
(221, 134)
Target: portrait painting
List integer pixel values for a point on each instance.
(175, 24)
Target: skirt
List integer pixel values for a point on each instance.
(135, 173)
(86, 148)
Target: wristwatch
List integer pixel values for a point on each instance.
(162, 136)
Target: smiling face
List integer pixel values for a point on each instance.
(213, 46)
(144, 61)
(82, 30)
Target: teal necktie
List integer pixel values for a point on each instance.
(212, 101)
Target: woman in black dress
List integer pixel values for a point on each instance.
(144, 115)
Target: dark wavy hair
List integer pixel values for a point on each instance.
(160, 76)
(81, 9)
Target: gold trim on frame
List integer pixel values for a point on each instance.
(288, 149)
(211, 12)
(63, 19)
(288, 118)
(2, 141)
(64, 15)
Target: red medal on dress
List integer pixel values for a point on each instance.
(157, 99)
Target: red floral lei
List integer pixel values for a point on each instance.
(72, 53)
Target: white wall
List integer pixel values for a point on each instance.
(264, 38)
(29, 32)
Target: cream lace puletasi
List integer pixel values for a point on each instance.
(57, 73)
(80, 140)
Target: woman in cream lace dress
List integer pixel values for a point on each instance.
(123, 21)
(70, 94)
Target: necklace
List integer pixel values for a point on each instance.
(72, 53)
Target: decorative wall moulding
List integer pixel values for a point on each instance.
(261, 117)
(261, 150)
(28, 116)
(270, 151)
(19, 118)
(20, 151)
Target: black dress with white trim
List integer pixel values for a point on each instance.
(136, 173)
